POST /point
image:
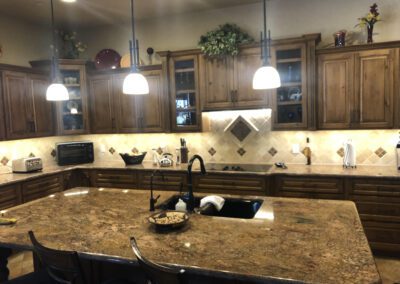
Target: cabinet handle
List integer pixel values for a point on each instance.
(33, 126)
(231, 95)
(235, 96)
(113, 123)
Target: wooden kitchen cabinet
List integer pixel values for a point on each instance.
(309, 187)
(10, 196)
(356, 89)
(227, 83)
(114, 178)
(42, 187)
(172, 181)
(378, 204)
(27, 113)
(114, 112)
(230, 184)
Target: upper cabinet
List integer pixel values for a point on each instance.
(226, 83)
(293, 102)
(26, 111)
(111, 111)
(357, 88)
(181, 70)
(71, 115)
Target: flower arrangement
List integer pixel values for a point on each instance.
(71, 47)
(223, 41)
(371, 18)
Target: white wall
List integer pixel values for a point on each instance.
(22, 42)
(286, 18)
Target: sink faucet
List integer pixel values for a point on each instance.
(153, 200)
(190, 203)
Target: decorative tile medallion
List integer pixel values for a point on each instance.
(340, 152)
(135, 150)
(4, 161)
(272, 151)
(111, 150)
(31, 155)
(212, 151)
(241, 151)
(53, 153)
(240, 130)
(160, 151)
(380, 152)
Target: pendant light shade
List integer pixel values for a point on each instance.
(266, 77)
(57, 92)
(134, 83)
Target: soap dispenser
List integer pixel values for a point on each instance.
(180, 206)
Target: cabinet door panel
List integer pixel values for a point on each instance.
(101, 104)
(335, 89)
(246, 64)
(18, 109)
(114, 179)
(43, 109)
(152, 116)
(217, 83)
(374, 88)
(126, 107)
(41, 187)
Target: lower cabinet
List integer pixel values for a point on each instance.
(10, 195)
(171, 181)
(42, 187)
(114, 179)
(230, 184)
(378, 204)
(309, 187)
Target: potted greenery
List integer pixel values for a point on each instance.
(223, 41)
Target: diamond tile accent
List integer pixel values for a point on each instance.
(340, 152)
(4, 161)
(380, 152)
(241, 151)
(272, 151)
(212, 151)
(53, 153)
(111, 150)
(160, 151)
(31, 155)
(241, 130)
(135, 150)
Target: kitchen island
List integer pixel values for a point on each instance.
(306, 240)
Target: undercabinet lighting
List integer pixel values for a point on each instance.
(51, 195)
(231, 114)
(68, 1)
(2, 212)
(125, 191)
(75, 193)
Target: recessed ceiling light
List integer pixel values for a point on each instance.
(68, 1)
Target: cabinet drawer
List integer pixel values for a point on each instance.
(374, 189)
(310, 187)
(116, 179)
(41, 187)
(379, 209)
(172, 181)
(230, 184)
(10, 196)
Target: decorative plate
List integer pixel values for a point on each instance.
(107, 59)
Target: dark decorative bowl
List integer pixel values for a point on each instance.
(169, 220)
(133, 159)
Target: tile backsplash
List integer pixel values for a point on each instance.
(217, 144)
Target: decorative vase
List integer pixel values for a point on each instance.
(370, 30)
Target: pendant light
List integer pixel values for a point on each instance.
(266, 77)
(135, 83)
(56, 91)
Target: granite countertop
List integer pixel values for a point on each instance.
(293, 169)
(316, 241)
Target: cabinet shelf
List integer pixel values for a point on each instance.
(184, 70)
(188, 109)
(68, 113)
(183, 92)
(291, 84)
(289, 60)
(289, 103)
(72, 85)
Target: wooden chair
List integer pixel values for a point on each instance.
(156, 273)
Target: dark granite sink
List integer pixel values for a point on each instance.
(244, 208)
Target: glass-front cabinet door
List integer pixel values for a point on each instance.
(72, 114)
(291, 98)
(184, 89)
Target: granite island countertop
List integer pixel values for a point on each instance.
(293, 169)
(315, 241)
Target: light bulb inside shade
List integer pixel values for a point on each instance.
(135, 84)
(266, 77)
(57, 92)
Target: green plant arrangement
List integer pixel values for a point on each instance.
(71, 47)
(224, 41)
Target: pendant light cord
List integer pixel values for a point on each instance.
(133, 43)
(266, 42)
(54, 71)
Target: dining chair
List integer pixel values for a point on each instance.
(156, 273)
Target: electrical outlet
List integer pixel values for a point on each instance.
(295, 148)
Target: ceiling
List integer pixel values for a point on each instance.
(91, 13)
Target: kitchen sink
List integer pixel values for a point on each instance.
(244, 208)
